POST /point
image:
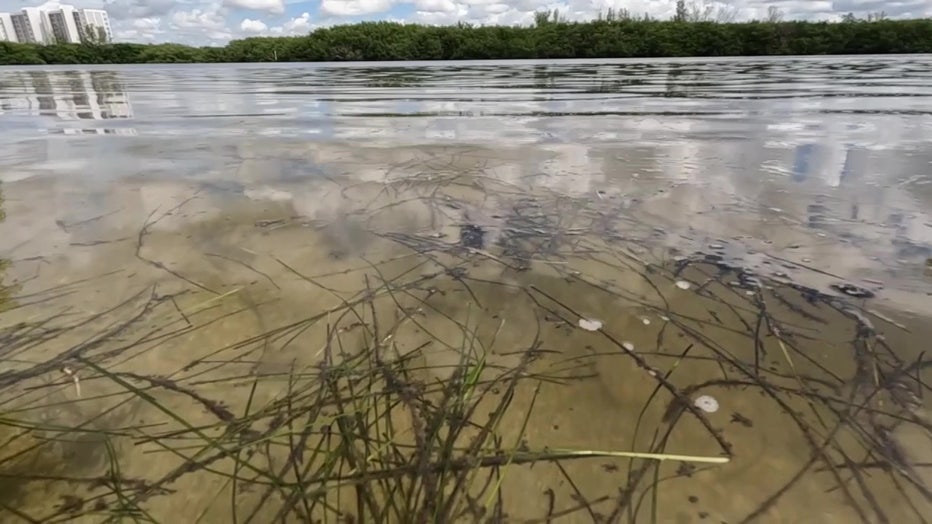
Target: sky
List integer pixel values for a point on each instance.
(215, 22)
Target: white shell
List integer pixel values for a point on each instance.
(682, 284)
(590, 324)
(706, 403)
(627, 345)
(645, 321)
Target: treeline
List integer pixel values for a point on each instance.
(549, 38)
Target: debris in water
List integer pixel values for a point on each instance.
(682, 284)
(741, 419)
(706, 403)
(268, 193)
(74, 377)
(852, 291)
(269, 222)
(645, 321)
(472, 236)
(627, 345)
(590, 324)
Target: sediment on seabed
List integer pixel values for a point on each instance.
(449, 349)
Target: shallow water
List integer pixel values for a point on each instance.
(179, 236)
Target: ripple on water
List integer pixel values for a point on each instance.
(299, 265)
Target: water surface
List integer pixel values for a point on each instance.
(203, 233)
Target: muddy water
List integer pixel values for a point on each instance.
(186, 246)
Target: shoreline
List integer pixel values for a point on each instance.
(546, 40)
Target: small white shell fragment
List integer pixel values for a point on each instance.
(268, 193)
(664, 318)
(590, 324)
(682, 284)
(706, 403)
(645, 321)
(627, 345)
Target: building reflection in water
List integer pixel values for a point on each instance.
(72, 98)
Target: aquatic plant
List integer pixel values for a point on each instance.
(435, 382)
(4, 289)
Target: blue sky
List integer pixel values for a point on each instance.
(218, 21)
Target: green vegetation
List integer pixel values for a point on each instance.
(370, 431)
(426, 379)
(4, 290)
(614, 35)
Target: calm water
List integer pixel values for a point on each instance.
(786, 150)
(213, 222)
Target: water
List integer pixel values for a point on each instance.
(181, 236)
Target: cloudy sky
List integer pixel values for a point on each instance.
(218, 21)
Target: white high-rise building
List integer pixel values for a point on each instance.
(7, 33)
(99, 20)
(21, 27)
(37, 25)
(64, 24)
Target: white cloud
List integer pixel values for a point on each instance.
(355, 7)
(253, 26)
(198, 18)
(199, 24)
(146, 29)
(436, 6)
(272, 6)
(215, 21)
(149, 25)
(300, 24)
(504, 12)
(132, 9)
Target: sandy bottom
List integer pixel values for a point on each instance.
(153, 333)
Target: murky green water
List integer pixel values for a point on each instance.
(336, 293)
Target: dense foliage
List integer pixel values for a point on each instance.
(549, 38)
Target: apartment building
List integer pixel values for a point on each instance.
(64, 24)
(7, 33)
(36, 23)
(99, 20)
